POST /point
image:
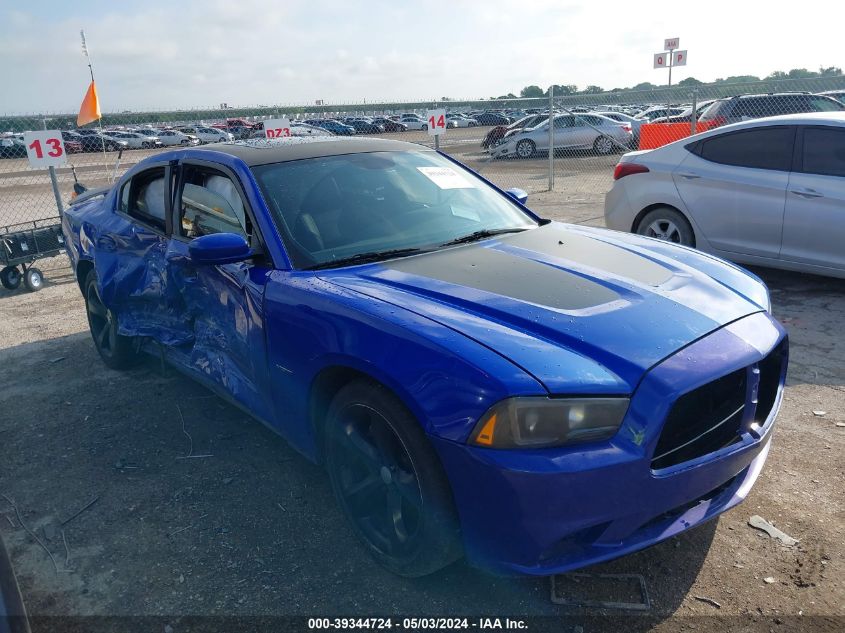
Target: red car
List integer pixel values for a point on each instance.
(73, 142)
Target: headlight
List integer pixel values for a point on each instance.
(546, 422)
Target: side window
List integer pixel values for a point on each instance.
(820, 104)
(211, 203)
(760, 148)
(750, 109)
(143, 198)
(824, 151)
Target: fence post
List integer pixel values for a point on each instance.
(53, 180)
(551, 138)
(693, 117)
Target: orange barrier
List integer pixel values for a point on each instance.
(654, 135)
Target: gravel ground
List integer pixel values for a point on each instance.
(252, 530)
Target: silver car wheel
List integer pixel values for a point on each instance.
(525, 148)
(603, 145)
(664, 230)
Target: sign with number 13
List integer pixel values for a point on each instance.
(45, 148)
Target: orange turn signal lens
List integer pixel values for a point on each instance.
(485, 435)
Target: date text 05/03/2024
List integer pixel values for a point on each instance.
(428, 623)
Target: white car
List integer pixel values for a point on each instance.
(571, 132)
(654, 112)
(461, 121)
(414, 122)
(767, 191)
(133, 140)
(208, 134)
(175, 137)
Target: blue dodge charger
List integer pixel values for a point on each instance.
(477, 381)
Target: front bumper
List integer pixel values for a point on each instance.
(548, 511)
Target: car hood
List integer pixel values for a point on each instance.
(582, 310)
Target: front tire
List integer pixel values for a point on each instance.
(525, 148)
(389, 482)
(603, 145)
(117, 351)
(33, 279)
(667, 224)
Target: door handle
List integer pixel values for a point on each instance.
(688, 175)
(807, 193)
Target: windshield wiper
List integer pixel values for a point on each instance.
(364, 258)
(480, 235)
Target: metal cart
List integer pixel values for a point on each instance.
(21, 245)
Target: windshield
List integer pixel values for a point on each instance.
(335, 207)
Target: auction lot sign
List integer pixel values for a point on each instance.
(277, 128)
(45, 148)
(436, 121)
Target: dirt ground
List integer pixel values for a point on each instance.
(251, 528)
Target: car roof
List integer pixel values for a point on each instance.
(262, 151)
(807, 118)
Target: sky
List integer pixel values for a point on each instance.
(157, 55)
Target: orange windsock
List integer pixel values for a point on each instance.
(90, 108)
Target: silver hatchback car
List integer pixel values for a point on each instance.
(571, 132)
(769, 192)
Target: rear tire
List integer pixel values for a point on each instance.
(10, 277)
(117, 351)
(33, 279)
(667, 224)
(389, 482)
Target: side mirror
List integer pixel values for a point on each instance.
(518, 194)
(219, 248)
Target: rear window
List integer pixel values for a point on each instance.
(824, 151)
(760, 148)
(713, 111)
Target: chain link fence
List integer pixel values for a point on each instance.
(507, 141)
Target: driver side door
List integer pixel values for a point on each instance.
(222, 304)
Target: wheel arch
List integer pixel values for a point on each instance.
(657, 205)
(331, 379)
(84, 267)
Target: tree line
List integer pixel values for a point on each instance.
(535, 92)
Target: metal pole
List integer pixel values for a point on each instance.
(93, 83)
(668, 94)
(671, 55)
(53, 180)
(693, 116)
(551, 138)
(437, 142)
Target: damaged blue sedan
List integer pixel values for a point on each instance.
(478, 381)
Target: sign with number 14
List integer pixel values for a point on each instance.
(436, 120)
(45, 148)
